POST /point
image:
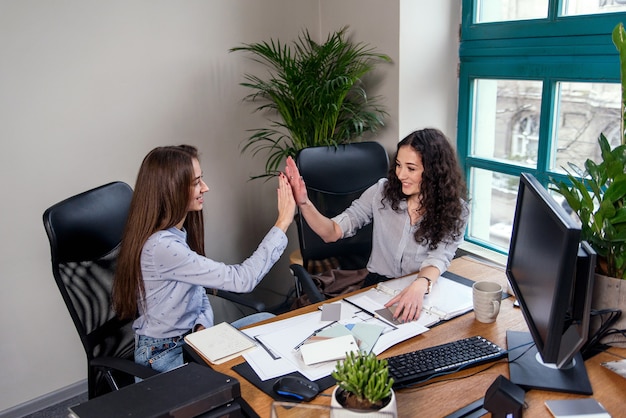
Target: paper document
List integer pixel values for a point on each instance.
(285, 339)
(373, 300)
(617, 366)
(447, 299)
(281, 337)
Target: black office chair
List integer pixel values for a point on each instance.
(334, 177)
(84, 233)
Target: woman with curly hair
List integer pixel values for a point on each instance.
(419, 214)
(162, 270)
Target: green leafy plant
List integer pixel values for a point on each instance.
(598, 193)
(317, 90)
(364, 379)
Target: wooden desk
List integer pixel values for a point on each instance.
(445, 397)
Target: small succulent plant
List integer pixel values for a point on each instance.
(364, 379)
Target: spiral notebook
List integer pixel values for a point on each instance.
(451, 296)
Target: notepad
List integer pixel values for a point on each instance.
(329, 349)
(220, 343)
(617, 366)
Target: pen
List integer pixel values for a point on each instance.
(372, 314)
(313, 334)
(266, 348)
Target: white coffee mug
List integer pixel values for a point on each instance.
(487, 296)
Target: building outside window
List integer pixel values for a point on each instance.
(538, 83)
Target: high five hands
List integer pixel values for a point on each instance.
(297, 183)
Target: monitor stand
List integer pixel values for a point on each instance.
(529, 372)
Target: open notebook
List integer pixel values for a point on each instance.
(450, 297)
(220, 342)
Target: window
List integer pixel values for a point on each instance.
(539, 81)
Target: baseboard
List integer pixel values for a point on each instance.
(46, 401)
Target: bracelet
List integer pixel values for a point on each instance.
(429, 287)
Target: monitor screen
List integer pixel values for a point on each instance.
(551, 274)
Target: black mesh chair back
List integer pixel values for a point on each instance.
(84, 233)
(335, 176)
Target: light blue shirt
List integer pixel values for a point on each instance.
(175, 278)
(395, 252)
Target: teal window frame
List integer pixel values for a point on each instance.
(550, 50)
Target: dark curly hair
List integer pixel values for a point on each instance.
(442, 191)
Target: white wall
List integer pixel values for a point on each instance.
(87, 88)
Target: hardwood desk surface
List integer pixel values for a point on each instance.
(446, 396)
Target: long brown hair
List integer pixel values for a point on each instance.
(160, 201)
(442, 190)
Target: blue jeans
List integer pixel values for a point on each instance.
(160, 354)
(163, 354)
(251, 319)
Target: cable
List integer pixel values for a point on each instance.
(530, 345)
(607, 317)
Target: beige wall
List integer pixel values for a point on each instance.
(87, 88)
(429, 45)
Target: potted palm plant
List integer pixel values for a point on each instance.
(363, 386)
(314, 94)
(597, 194)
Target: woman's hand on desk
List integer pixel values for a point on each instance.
(409, 301)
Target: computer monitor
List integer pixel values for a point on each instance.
(551, 273)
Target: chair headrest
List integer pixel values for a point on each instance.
(89, 225)
(343, 169)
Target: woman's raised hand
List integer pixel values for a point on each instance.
(298, 187)
(286, 203)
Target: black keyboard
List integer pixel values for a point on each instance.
(418, 366)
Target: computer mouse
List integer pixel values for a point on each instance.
(296, 387)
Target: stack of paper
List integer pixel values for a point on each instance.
(280, 352)
(336, 326)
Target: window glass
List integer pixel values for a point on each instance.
(492, 207)
(536, 90)
(584, 111)
(494, 196)
(508, 10)
(506, 120)
(591, 7)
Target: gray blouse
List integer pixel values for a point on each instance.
(394, 250)
(175, 278)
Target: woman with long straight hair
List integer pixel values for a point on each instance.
(162, 270)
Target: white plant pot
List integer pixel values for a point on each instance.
(338, 411)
